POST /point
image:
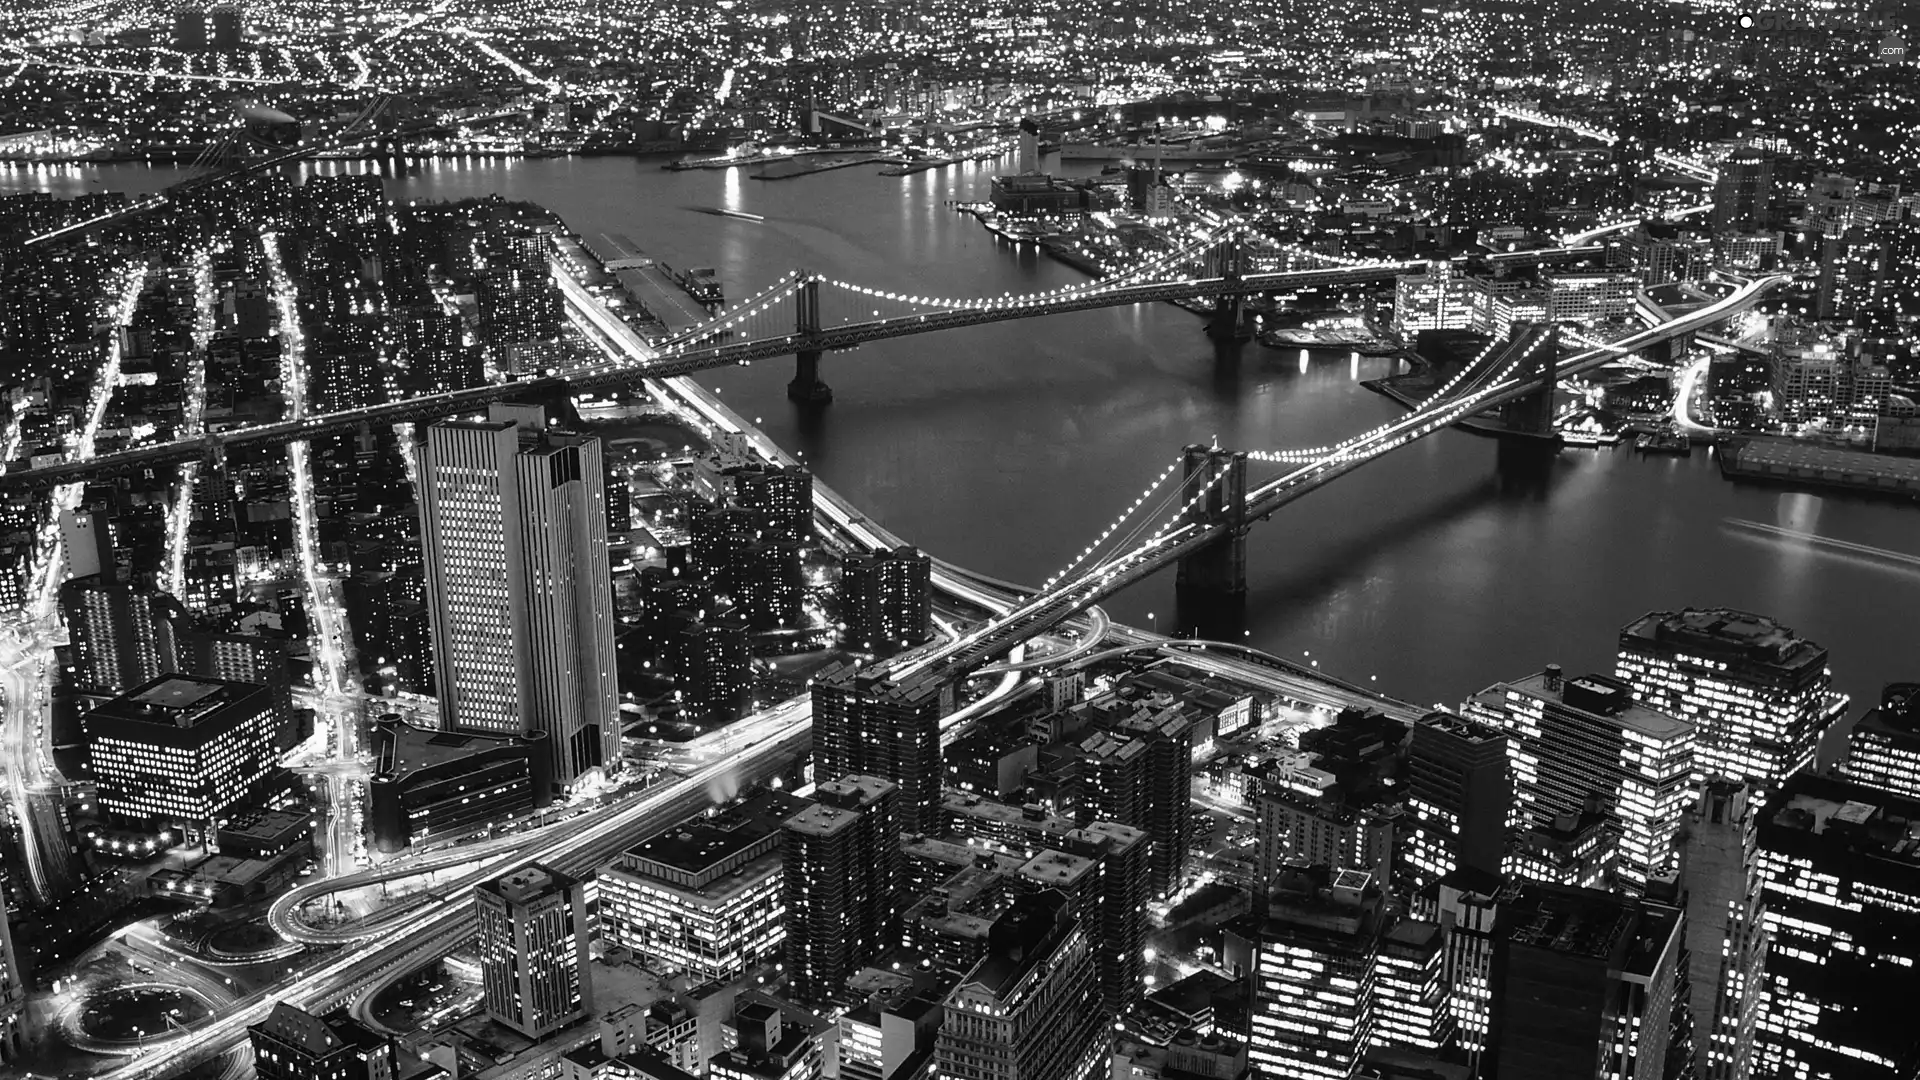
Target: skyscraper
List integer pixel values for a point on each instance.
(1030, 1008)
(533, 950)
(1840, 871)
(1576, 743)
(1726, 934)
(1583, 985)
(1311, 956)
(1459, 791)
(1759, 696)
(864, 723)
(886, 599)
(514, 536)
(13, 992)
(841, 860)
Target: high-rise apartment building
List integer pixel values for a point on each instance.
(869, 724)
(120, 636)
(712, 666)
(1883, 749)
(841, 863)
(1030, 1008)
(1584, 985)
(1459, 792)
(886, 599)
(175, 754)
(1726, 935)
(514, 534)
(1758, 695)
(533, 942)
(1840, 872)
(293, 1044)
(783, 496)
(1580, 744)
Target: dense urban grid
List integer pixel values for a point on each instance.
(409, 669)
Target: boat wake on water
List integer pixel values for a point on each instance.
(1883, 557)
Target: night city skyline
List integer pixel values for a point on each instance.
(1281, 540)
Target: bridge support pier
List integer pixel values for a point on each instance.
(807, 387)
(1229, 321)
(1532, 416)
(1218, 571)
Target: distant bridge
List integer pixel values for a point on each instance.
(803, 315)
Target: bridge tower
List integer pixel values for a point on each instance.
(807, 387)
(1220, 568)
(1229, 308)
(1533, 415)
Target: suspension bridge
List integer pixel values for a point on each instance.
(804, 315)
(1215, 503)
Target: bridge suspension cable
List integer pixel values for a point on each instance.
(1117, 522)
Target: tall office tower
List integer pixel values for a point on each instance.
(13, 992)
(293, 1044)
(1410, 1010)
(174, 755)
(514, 537)
(533, 942)
(1583, 985)
(865, 723)
(121, 636)
(1742, 199)
(1311, 956)
(1459, 792)
(841, 860)
(1883, 750)
(886, 599)
(1840, 871)
(1726, 934)
(1466, 904)
(1759, 697)
(1573, 743)
(1030, 1009)
(783, 496)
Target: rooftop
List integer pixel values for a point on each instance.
(529, 884)
(1575, 922)
(1588, 694)
(1726, 634)
(707, 847)
(178, 701)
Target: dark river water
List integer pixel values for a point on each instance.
(1438, 570)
